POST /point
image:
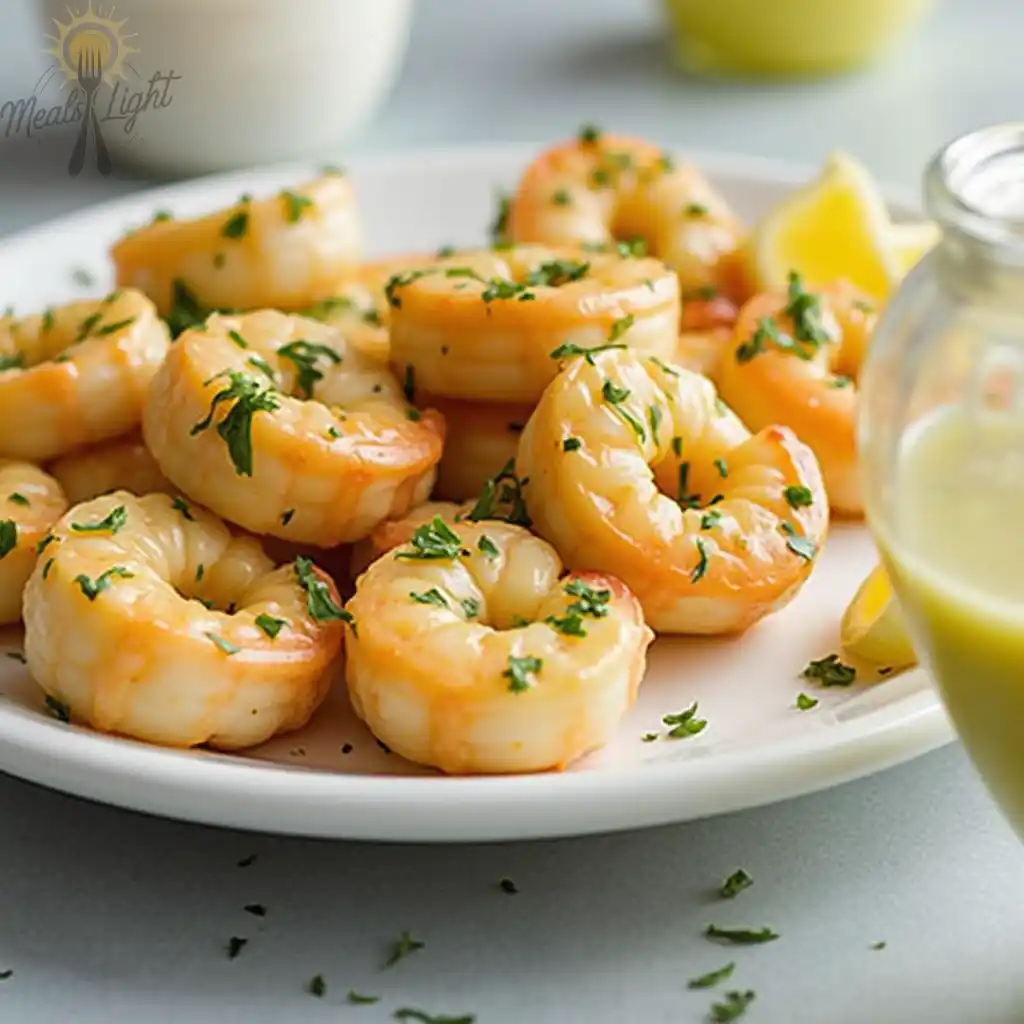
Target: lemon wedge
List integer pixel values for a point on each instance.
(873, 627)
(837, 226)
(911, 241)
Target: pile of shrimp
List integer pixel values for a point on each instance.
(469, 486)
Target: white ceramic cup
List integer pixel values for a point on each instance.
(256, 81)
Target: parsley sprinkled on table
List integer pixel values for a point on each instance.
(405, 945)
(734, 1007)
(355, 998)
(508, 886)
(805, 703)
(830, 671)
(235, 946)
(735, 884)
(740, 936)
(712, 978)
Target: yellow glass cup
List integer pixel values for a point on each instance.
(786, 38)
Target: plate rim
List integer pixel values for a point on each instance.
(178, 784)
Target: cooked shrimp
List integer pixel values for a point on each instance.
(707, 327)
(31, 501)
(285, 251)
(485, 325)
(123, 464)
(174, 631)
(599, 188)
(795, 360)
(473, 656)
(277, 424)
(358, 306)
(479, 439)
(392, 533)
(76, 374)
(635, 468)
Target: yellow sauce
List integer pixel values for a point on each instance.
(785, 37)
(955, 553)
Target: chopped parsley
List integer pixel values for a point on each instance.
(710, 519)
(12, 362)
(740, 936)
(431, 596)
(498, 288)
(648, 737)
(620, 326)
(723, 469)
(839, 381)
(561, 197)
(798, 497)
(47, 567)
(589, 134)
(879, 945)
(830, 671)
(487, 547)
(683, 497)
(735, 884)
(48, 320)
(256, 909)
(222, 645)
(684, 723)
(677, 446)
(804, 309)
(236, 225)
(57, 709)
(182, 506)
(4, 975)
(92, 588)
(270, 624)
(519, 670)
(767, 330)
(499, 226)
(287, 515)
(237, 338)
(558, 272)
(200, 572)
(405, 945)
(235, 946)
(471, 606)
(186, 309)
(695, 210)
(615, 396)
(16, 656)
(317, 986)
(249, 397)
(654, 416)
(111, 523)
(295, 205)
(303, 355)
(571, 624)
(805, 703)
(409, 383)
(421, 1017)
(734, 1007)
(589, 601)
(701, 568)
(400, 280)
(247, 862)
(319, 603)
(434, 541)
(802, 546)
(712, 978)
(569, 348)
(504, 488)
(259, 363)
(571, 444)
(8, 536)
(108, 329)
(506, 885)
(355, 998)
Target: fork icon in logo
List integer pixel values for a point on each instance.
(90, 77)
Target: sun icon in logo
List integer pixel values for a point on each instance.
(92, 33)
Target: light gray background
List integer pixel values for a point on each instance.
(111, 917)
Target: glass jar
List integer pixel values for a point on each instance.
(941, 434)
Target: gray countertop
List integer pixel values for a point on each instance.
(114, 917)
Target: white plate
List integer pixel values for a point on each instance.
(757, 747)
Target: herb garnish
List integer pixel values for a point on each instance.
(429, 1018)
(504, 488)
(734, 1007)
(304, 354)
(487, 547)
(235, 946)
(561, 197)
(620, 326)
(186, 310)
(270, 625)
(317, 986)
(256, 909)
(695, 210)
(57, 709)
(571, 444)
(12, 362)
(92, 588)
(8, 536)
(111, 523)
(295, 205)
(802, 546)
(710, 519)
(182, 506)
(16, 656)
(506, 885)
(723, 469)
(830, 671)
(409, 383)
(319, 602)
(569, 348)
(804, 309)
(712, 978)
(246, 862)
(798, 497)
(354, 998)
(403, 946)
(701, 568)
(615, 396)
(223, 645)
(433, 541)
(518, 671)
(107, 329)
(735, 884)
(249, 397)
(236, 225)
(740, 936)
(499, 226)
(805, 703)
(684, 723)
(557, 273)
(589, 134)
(431, 596)
(237, 338)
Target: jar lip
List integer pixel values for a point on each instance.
(975, 185)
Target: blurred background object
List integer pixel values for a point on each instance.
(254, 81)
(785, 38)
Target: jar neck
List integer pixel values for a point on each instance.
(974, 189)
